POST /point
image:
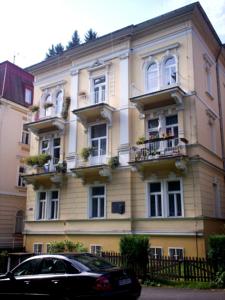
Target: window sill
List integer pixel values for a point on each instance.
(209, 95)
(25, 147)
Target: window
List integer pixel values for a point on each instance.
(170, 71)
(48, 205)
(155, 252)
(47, 107)
(155, 199)
(29, 267)
(28, 96)
(38, 248)
(174, 199)
(172, 130)
(99, 89)
(208, 72)
(19, 222)
(165, 199)
(152, 77)
(21, 181)
(97, 202)
(52, 147)
(98, 142)
(177, 253)
(25, 137)
(59, 103)
(96, 249)
(153, 132)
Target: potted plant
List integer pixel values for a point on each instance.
(85, 153)
(140, 140)
(114, 162)
(47, 105)
(34, 108)
(38, 160)
(61, 167)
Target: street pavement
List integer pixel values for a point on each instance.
(162, 293)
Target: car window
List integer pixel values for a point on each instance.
(27, 268)
(52, 266)
(94, 263)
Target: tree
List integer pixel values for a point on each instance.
(75, 40)
(90, 35)
(55, 50)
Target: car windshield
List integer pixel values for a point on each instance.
(93, 263)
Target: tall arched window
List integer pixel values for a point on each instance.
(152, 77)
(170, 71)
(47, 106)
(19, 222)
(59, 103)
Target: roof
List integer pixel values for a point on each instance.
(13, 81)
(127, 32)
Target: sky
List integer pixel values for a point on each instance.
(28, 28)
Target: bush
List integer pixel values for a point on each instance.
(66, 246)
(220, 279)
(216, 246)
(135, 248)
(38, 160)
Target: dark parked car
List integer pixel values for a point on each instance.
(69, 276)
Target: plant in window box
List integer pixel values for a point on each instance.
(38, 160)
(140, 140)
(85, 153)
(34, 108)
(114, 162)
(65, 109)
(61, 167)
(47, 105)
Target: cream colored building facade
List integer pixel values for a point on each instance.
(161, 83)
(16, 88)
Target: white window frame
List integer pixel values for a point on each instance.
(28, 95)
(50, 150)
(100, 158)
(58, 111)
(94, 249)
(46, 211)
(175, 248)
(164, 198)
(90, 202)
(25, 136)
(37, 245)
(155, 255)
(47, 113)
(165, 80)
(149, 200)
(148, 90)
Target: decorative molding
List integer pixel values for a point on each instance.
(53, 85)
(160, 50)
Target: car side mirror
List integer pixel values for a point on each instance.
(10, 275)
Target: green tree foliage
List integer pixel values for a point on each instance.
(66, 246)
(216, 250)
(55, 50)
(75, 41)
(90, 35)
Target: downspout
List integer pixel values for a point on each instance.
(220, 106)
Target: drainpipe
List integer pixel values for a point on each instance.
(220, 105)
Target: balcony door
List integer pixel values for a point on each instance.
(51, 147)
(98, 142)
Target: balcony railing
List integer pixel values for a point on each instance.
(158, 147)
(91, 161)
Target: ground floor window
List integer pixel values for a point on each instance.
(38, 248)
(177, 253)
(155, 252)
(96, 249)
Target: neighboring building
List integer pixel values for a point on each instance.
(16, 94)
(161, 82)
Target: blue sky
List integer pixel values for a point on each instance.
(28, 28)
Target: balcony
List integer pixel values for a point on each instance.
(173, 95)
(48, 119)
(94, 168)
(46, 176)
(159, 154)
(88, 114)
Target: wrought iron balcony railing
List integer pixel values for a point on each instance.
(158, 147)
